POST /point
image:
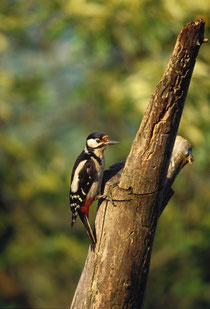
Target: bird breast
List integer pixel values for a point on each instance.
(96, 186)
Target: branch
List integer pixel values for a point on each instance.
(181, 155)
(115, 275)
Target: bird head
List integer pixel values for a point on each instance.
(98, 141)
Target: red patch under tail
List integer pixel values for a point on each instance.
(85, 207)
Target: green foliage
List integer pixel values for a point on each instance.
(69, 68)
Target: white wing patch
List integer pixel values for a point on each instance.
(83, 192)
(75, 180)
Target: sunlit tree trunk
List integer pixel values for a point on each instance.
(115, 274)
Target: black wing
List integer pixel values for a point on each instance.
(85, 180)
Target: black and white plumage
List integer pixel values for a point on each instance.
(86, 179)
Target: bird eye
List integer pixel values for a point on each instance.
(98, 140)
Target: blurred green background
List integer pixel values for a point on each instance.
(68, 68)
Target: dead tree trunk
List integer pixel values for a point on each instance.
(115, 274)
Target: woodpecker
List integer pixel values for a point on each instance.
(86, 179)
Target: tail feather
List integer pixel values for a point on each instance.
(73, 219)
(89, 231)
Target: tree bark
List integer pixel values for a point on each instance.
(115, 274)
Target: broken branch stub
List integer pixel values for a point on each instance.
(147, 163)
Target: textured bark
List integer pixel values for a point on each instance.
(115, 274)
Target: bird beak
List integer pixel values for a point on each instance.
(105, 140)
(107, 143)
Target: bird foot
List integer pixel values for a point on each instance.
(107, 197)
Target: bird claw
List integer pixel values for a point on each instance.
(107, 197)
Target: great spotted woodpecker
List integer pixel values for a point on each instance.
(86, 179)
